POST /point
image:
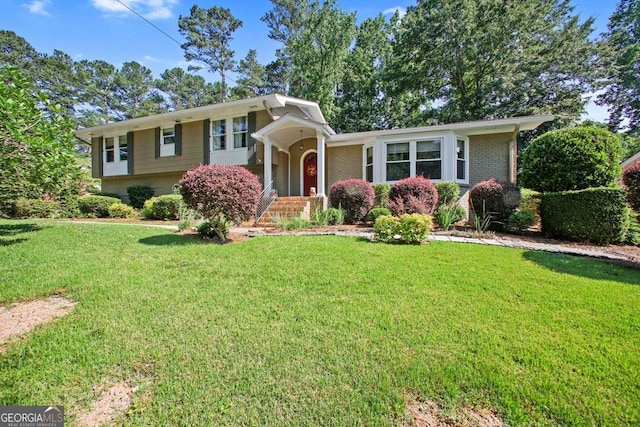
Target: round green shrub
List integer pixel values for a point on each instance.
(165, 207)
(35, 208)
(120, 210)
(448, 192)
(332, 216)
(412, 229)
(496, 198)
(376, 212)
(571, 159)
(354, 196)
(413, 195)
(97, 206)
(138, 194)
(381, 198)
(520, 221)
(631, 180)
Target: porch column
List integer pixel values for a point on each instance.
(321, 163)
(268, 162)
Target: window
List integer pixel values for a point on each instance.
(398, 164)
(218, 134)
(369, 164)
(461, 160)
(109, 150)
(123, 148)
(168, 142)
(428, 159)
(240, 132)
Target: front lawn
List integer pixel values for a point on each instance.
(318, 330)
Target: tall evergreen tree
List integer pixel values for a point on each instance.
(133, 85)
(97, 90)
(251, 77)
(183, 90)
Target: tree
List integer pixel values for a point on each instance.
(132, 90)
(481, 59)
(251, 80)
(623, 91)
(209, 33)
(184, 90)
(97, 85)
(15, 51)
(36, 147)
(59, 81)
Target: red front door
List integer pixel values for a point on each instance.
(309, 173)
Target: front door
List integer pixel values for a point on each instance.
(309, 173)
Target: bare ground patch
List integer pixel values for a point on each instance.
(430, 414)
(24, 317)
(112, 403)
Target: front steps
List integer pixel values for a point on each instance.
(287, 207)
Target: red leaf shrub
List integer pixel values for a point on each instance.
(500, 199)
(631, 180)
(221, 190)
(354, 196)
(413, 195)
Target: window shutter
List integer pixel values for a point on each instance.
(130, 153)
(206, 158)
(100, 157)
(251, 143)
(157, 142)
(178, 139)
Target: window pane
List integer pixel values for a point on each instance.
(109, 151)
(431, 169)
(239, 140)
(240, 124)
(122, 144)
(396, 171)
(168, 136)
(460, 149)
(218, 143)
(398, 152)
(428, 150)
(108, 143)
(218, 127)
(460, 170)
(369, 155)
(370, 173)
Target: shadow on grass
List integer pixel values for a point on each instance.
(585, 267)
(9, 231)
(170, 240)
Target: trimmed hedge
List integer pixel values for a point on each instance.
(413, 195)
(354, 196)
(165, 207)
(120, 210)
(381, 192)
(599, 215)
(631, 180)
(96, 205)
(497, 198)
(377, 212)
(411, 229)
(448, 192)
(138, 194)
(35, 208)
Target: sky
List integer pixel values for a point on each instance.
(105, 29)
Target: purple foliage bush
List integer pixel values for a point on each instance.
(413, 195)
(354, 196)
(497, 198)
(631, 180)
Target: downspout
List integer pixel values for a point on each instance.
(513, 155)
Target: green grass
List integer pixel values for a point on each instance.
(319, 330)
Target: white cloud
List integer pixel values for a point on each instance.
(37, 7)
(150, 58)
(150, 9)
(401, 10)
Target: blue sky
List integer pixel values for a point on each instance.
(104, 29)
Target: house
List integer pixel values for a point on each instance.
(289, 145)
(630, 161)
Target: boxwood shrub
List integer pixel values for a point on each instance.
(599, 215)
(411, 229)
(381, 195)
(121, 210)
(138, 194)
(35, 208)
(96, 205)
(448, 192)
(165, 207)
(376, 212)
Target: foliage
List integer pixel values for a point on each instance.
(377, 212)
(36, 147)
(209, 33)
(216, 228)
(221, 194)
(448, 192)
(108, 194)
(633, 233)
(599, 215)
(622, 54)
(482, 219)
(183, 90)
(381, 192)
(571, 159)
(35, 208)
(498, 198)
(251, 80)
(631, 180)
(448, 214)
(165, 207)
(97, 206)
(138, 194)
(354, 196)
(413, 195)
(120, 210)
(186, 216)
(520, 221)
(411, 229)
(330, 216)
(291, 222)
(530, 201)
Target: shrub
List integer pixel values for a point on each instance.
(377, 212)
(215, 227)
(331, 216)
(571, 159)
(599, 215)
(631, 180)
(120, 210)
(520, 221)
(448, 192)
(165, 207)
(354, 196)
(530, 201)
(138, 194)
(96, 205)
(448, 214)
(291, 223)
(408, 228)
(413, 195)
(221, 194)
(381, 198)
(107, 194)
(35, 208)
(496, 198)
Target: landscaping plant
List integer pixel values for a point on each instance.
(413, 195)
(448, 214)
(381, 192)
(377, 212)
(121, 210)
(411, 229)
(448, 192)
(631, 181)
(165, 207)
(354, 196)
(35, 208)
(96, 206)
(138, 194)
(496, 198)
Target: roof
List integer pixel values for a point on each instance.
(631, 160)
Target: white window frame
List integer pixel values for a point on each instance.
(410, 160)
(464, 180)
(367, 164)
(230, 134)
(244, 131)
(213, 135)
(440, 142)
(167, 149)
(118, 166)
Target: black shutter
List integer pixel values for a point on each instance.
(157, 142)
(206, 158)
(178, 139)
(130, 153)
(100, 156)
(251, 143)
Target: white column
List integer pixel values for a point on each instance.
(268, 162)
(321, 163)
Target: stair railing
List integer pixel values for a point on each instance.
(267, 197)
